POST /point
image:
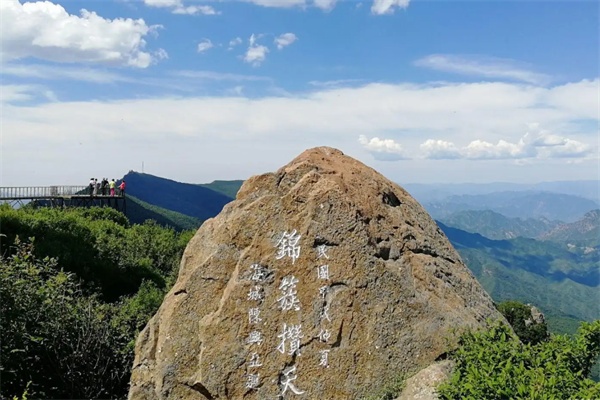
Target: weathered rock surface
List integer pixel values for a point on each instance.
(323, 280)
(422, 386)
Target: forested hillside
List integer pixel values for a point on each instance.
(195, 201)
(555, 278)
(77, 285)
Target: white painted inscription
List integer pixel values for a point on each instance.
(288, 246)
(259, 273)
(323, 272)
(252, 381)
(255, 337)
(255, 361)
(324, 360)
(254, 315)
(287, 381)
(324, 335)
(291, 334)
(288, 299)
(255, 293)
(322, 251)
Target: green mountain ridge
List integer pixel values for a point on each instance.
(227, 188)
(542, 273)
(195, 201)
(139, 211)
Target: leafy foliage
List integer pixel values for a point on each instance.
(54, 336)
(98, 245)
(73, 304)
(494, 364)
(520, 318)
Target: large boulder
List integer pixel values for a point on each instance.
(323, 280)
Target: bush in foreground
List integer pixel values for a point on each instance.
(495, 364)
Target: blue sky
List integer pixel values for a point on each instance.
(423, 91)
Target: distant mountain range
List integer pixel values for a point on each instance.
(551, 276)
(527, 204)
(560, 274)
(432, 192)
(493, 225)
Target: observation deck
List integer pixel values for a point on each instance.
(61, 196)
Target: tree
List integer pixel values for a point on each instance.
(521, 318)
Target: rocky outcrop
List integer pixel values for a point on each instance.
(422, 386)
(323, 280)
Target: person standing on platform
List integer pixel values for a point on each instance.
(95, 188)
(122, 187)
(91, 186)
(112, 185)
(103, 186)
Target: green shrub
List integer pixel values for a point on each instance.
(494, 364)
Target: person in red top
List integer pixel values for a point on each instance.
(122, 188)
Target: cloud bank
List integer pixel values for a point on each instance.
(46, 31)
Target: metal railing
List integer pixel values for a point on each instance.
(31, 192)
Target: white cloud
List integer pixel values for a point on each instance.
(255, 54)
(336, 83)
(162, 3)
(46, 31)
(482, 150)
(218, 76)
(479, 66)
(41, 141)
(234, 42)
(177, 7)
(537, 143)
(285, 39)
(325, 5)
(52, 72)
(195, 10)
(383, 149)
(205, 45)
(278, 3)
(16, 93)
(439, 149)
(381, 7)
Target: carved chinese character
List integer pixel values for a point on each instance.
(252, 381)
(324, 335)
(255, 337)
(255, 293)
(292, 334)
(254, 361)
(288, 246)
(288, 299)
(322, 251)
(324, 361)
(325, 313)
(323, 291)
(259, 273)
(253, 315)
(323, 272)
(287, 382)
